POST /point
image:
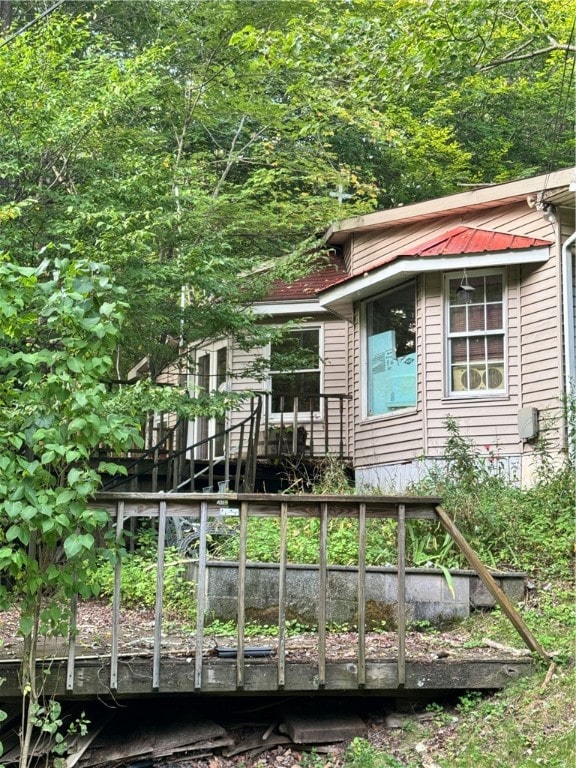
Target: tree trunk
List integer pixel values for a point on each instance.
(5, 15)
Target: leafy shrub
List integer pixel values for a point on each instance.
(508, 526)
(138, 581)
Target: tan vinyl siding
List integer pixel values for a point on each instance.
(540, 336)
(373, 247)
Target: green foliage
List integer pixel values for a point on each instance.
(194, 143)
(529, 529)
(362, 754)
(58, 327)
(138, 581)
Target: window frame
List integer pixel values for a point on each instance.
(366, 415)
(448, 336)
(279, 415)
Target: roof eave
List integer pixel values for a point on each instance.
(370, 282)
(484, 197)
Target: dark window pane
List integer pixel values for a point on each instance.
(493, 287)
(477, 348)
(297, 350)
(494, 317)
(459, 350)
(458, 319)
(495, 345)
(476, 318)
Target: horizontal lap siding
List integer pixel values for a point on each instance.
(336, 379)
(540, 335)
(371, 247)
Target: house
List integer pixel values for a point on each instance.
(305, 410)
(461, 306)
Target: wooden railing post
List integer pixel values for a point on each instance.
(322, 593)
(116, 597)
(401, 599)
(241, 622)
(159, 595)
(201, 595)
(362, 595)
(282, 595)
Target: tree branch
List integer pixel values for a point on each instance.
(528, 55)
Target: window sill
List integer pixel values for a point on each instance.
(473, 398)
(400, 413)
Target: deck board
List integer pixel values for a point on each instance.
(135, 677)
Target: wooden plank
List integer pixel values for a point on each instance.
(362, 595)
(201, 594)
(499, 596)
(322, 727)
(72, 643)
(322, 593)
(401, 595)
(219, 676)
(159, 597)
(116, 598)
(282, 597)
(241, 596)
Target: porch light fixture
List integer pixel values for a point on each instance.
(464, 290)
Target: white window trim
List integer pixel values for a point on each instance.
(471, 393)
(276, 416)
(365, 416)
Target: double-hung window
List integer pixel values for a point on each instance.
(295, 371)
(390, 351)
(476, 338)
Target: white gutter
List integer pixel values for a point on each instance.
(361, 286)
(568, 312)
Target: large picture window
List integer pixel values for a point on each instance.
(476, 334)
(391, 351)
(295, 371)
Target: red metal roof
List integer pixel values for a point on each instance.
(330, 270)
(456, 242)
(462, 240)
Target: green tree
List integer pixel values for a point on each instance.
(59, 324)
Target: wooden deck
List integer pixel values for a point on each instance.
(76, 668)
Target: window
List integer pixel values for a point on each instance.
(295, 371)
(476, 337)
(391, 351)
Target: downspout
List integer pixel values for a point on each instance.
(568, 314)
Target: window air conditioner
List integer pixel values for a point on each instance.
(493, 378)
(470, 379)
(464, 379)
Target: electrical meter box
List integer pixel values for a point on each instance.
(528, 423)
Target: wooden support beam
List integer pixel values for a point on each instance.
(201, 595)
(490, 584)
(159, 596)
(282, 596)
(362, 595)
(401, 594)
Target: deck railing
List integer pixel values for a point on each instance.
(311, 427)
(200, 509)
